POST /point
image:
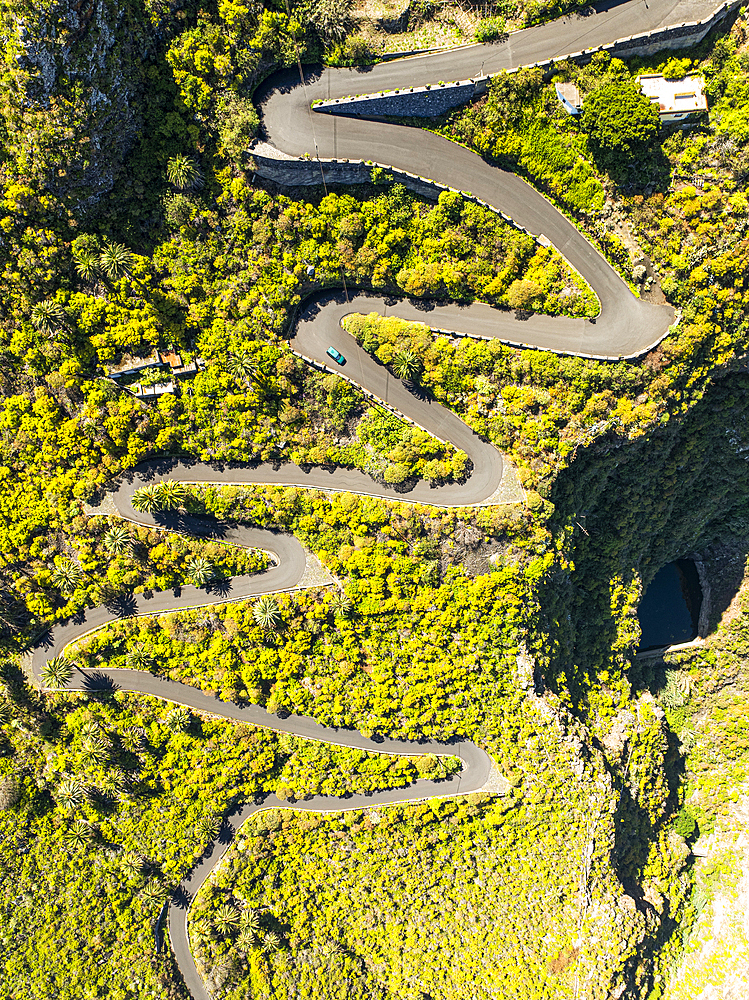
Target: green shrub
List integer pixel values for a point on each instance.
(490, 30)
(522, 125)
(622, 124)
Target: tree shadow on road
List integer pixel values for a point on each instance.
(98, 682)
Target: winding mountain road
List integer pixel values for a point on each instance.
(290, 556)
(626, 326)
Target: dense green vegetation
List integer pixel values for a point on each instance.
(359, 31)
(136, 222)
(412, 647)
(680, 195)
(113, 558)
(105, 802)
(183, 251)
(632, 516)
(705, 206)
(541, 408)
(521, 123)
(704, 695)
(622, 124)
(228, 297)
(455, 898)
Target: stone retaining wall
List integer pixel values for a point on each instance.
(418, 102)
(291, 172)
(306, 173)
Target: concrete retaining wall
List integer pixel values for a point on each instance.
(306, 173)
(423, 102)
(675, 36)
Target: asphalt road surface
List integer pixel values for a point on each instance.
(625, 327)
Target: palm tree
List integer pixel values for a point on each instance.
(6, 713)
(226, 919)
(108, 594)
(266, 612)
(246, 940)
(172, 495)
(207, 828)
(70, 794)
(243, 368)
(134, 738)
(183, 172)
(200, 571)
(271, 941)
(78, 834)
(134, 866)
(86, 264)
(90, 729)
(57, 672)
(179, 720)
(96, 751)
(66, 576)
(146, 499)
(115, 781)
(153, 891)
(331, 19)
(137, 658)
(117, 540)
(13, 614)
(341, 605)
(250, 922)
(405, 364)
(89, 427)
(47, 316)
(115, 260)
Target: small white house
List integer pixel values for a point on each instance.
(676, 99)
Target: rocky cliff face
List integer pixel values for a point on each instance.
(72, 78)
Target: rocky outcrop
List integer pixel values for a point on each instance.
(71, 94)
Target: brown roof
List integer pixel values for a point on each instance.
(171, 358)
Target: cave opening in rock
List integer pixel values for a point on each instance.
(669, 611)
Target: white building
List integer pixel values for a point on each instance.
(676, 99)
(569, 97)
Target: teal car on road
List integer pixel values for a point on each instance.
(336, 355)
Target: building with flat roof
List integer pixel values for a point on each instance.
(676, 99)
(152, 391)
(569, 97)
(130, 366)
